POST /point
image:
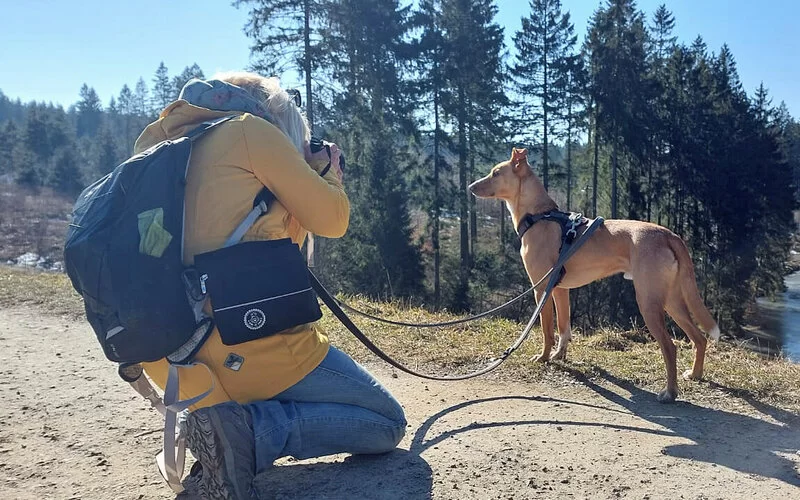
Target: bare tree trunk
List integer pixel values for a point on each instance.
(649, 190)
(545, 146)
(307, 61)
(569, 157)
(614, 176)
(473, 215)
(462, 195)
(502, 230)
(437, 291)
(596, 138)
(310, 241)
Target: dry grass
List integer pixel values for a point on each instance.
(629, 356)
(32, 221)
(51, 293)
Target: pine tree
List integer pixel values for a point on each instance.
(662, 28)
(126, 105)
(64, 175)
(430, 61)
(574, 112)
(377, 256)
(31, 156)
(129, 125)
(487, 101)
(89, 112)
(163, 90)
(473, 43)
(662, 45)
(35, 137)
(617, 57)
(285, 36)
(9, 136)
(105, 155)
(112, 109)
(140, 101)
(545, 46)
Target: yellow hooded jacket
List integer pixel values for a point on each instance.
(229, 166)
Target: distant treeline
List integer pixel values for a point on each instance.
(423, 98)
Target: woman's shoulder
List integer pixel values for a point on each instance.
(264, 137)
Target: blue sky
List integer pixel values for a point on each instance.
(51, 47)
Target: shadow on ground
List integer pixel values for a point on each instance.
(740, 442)
(396, 475)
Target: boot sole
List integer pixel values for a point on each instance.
(217, 459)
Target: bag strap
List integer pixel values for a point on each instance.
(261, 205)
(204, 127)
(172, 459)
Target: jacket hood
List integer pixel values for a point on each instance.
(177, 119)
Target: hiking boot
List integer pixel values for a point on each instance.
(221, 439)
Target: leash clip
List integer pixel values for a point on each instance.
(574, 222)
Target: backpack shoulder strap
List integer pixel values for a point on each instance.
(204, 127)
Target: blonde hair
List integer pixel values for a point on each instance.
(285, 115)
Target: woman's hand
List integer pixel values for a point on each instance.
(336, 164)
(321, 157)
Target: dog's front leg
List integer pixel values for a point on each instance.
(546, 320)
(561, 299)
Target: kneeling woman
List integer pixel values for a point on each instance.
(289, 394)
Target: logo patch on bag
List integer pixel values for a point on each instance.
(234, 362)
(254, 319)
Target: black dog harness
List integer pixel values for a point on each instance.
(569, 221)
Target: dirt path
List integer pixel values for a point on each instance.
(70, 429)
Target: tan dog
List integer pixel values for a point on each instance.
(655, 258)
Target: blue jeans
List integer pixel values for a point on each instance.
(337, 408)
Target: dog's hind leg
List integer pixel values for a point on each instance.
(679, 311)
(546, 321)
(561, 299)
(650, 295)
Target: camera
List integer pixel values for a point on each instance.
(316, 144)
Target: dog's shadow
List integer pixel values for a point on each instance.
(740, 442)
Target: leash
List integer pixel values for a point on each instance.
(442, 323)
(566, 252)
(569, 224)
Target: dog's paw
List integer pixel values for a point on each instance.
(541, 358)
(560, 354)
(689, 375)
(667, 396)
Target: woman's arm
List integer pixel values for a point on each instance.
(318, 203)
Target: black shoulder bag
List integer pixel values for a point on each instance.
(257, 288)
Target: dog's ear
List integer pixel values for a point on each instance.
(519, 161)
(518, 154)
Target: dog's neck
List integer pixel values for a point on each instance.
(532, 199)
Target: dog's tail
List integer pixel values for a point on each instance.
(688, 285)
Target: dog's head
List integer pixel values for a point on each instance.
(504, 179)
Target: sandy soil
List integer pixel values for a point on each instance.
(70, 429)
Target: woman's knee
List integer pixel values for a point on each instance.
(399, 433)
